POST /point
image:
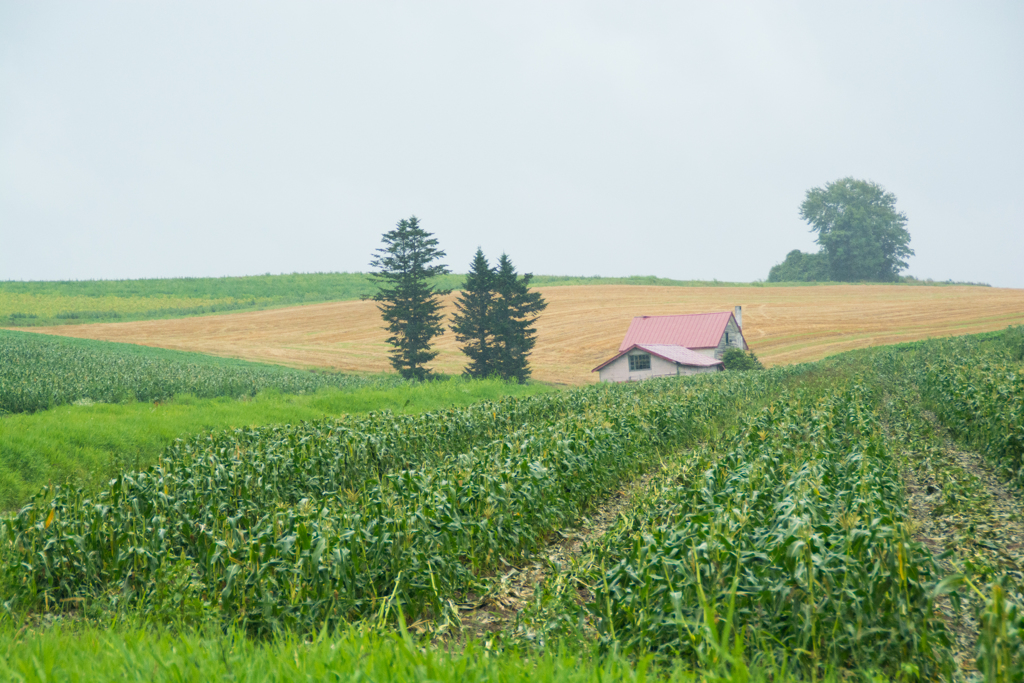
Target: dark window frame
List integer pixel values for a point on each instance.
(640, 361)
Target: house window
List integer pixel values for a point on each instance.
(641, 361)
(726, 338)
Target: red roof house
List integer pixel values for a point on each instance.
(671, 345)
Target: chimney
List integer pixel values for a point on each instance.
(738, 314)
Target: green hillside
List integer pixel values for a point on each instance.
(39, 303)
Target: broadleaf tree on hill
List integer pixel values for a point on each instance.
(409, 304)
(859, 229)
(472, 322)
(861, 234)
(515, 310)
(800, 266)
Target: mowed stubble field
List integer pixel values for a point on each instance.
(583, 325)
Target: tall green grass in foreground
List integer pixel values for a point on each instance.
(89, 444)
(94, 655)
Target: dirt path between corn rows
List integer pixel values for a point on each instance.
(978, 517)
(514, 589)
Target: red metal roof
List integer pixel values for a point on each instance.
(696, 331)
(674, 354)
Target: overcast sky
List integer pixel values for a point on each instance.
(161, 139)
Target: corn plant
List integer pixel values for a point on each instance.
(39, 372)
(799, 529)
(302, 526)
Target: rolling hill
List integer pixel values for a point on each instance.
(584, 324)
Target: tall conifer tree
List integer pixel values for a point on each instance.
(514, 311)
(473, 320)
(409, 304)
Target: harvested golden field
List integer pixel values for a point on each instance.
(583, 325)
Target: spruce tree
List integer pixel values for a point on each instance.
(473, 320)
(408, 303)
(514, 311)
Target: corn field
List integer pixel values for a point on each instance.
(298, 526)
(38, 372)
(800, 530)
(782, 535)
(982, 403)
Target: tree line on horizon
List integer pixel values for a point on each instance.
(495, 311)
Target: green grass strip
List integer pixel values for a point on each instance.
(96, 654)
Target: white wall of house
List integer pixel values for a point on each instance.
(618, 371)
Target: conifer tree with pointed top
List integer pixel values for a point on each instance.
(409, 304)
(514, 312)
(473, 319)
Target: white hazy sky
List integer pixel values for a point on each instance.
(161, 139)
